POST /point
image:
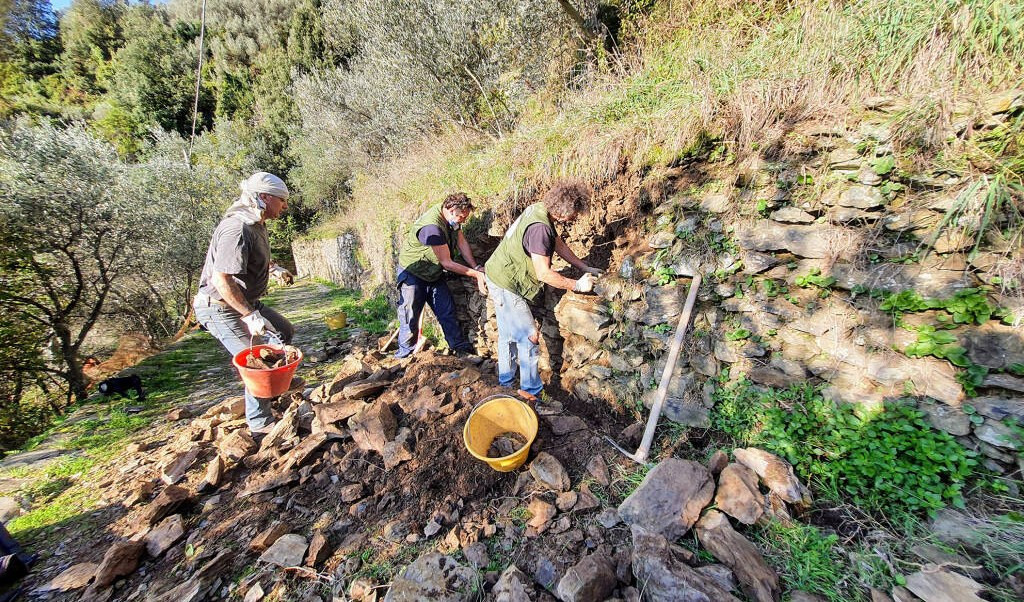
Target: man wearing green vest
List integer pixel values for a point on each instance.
(517, 272)
(429, 249)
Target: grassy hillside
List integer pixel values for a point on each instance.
(738, 73)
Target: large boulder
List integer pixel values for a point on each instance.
(434, 577)
(663, 575)
(756, 578)
(669, 499)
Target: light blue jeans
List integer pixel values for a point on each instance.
(515, 327)
(226, 325)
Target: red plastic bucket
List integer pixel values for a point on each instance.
(265, 383)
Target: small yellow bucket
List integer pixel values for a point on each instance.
(336, 320)
(492, 417)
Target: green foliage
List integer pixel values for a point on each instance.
(373, 314)
(664, 275)
(881, 459)
(967, 306)
(883, 166)
(806, 559)
(938, 343)
(738, 334)
(814, 278)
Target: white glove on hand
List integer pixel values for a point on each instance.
(594, 271)
(257, 324)
(585, 284)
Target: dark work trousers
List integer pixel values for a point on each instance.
(413, 294)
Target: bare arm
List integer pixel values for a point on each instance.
(445, 257)
(542, 265)
(566, 253)
(231, 292)
(466, 251)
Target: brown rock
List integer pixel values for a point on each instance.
(586, 500)
(549, 472)
(318, 550)
(541, 514)
(756, 578)
(237, 445)
(285, 429)
(178, 414)
(562, 425)
(424, 405)
(164, 535)
(214, 474)
(175, 470)
(717, 462)
(351, 493)
(329, 413)
(940, 585)
(397, 451)
(136, 447)
(598, 469)
(232, 408)
(258, 483)
(167, 503)
(662, 573)
(566, 500)
(139, 493)
(268, 536)
(121, 559)
(670, 498)
(365, 388)
(75, 576)
(592, 578)
(738, 495)
(373, 427)
(304, 450)
(775, 473)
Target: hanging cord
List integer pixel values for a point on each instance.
(199, 73)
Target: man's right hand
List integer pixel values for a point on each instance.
(257, 324)
(585, 284)
(481, 282)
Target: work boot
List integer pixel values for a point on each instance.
(529, 398)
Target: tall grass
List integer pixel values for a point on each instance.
(740, 71)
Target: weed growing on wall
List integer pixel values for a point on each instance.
(884, 458)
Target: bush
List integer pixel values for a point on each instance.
(884, 458)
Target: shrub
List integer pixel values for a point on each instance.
(886, 458)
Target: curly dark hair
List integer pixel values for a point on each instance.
(565, 199)
(458, 201)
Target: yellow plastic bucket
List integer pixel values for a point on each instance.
(492, 417)
(336, 320)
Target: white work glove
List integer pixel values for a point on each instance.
(257, 324)
(594, 271)
(585, 284)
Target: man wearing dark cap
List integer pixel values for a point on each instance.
(431, 245)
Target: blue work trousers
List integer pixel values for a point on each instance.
(226, 325)
(516, 326)
(413, 294)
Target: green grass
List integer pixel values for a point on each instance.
(809, 560)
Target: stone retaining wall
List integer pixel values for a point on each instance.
(333, 259)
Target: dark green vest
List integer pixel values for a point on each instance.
(418, 258)
(510, 267)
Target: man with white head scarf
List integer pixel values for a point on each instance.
(235, 276)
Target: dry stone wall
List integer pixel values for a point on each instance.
(798, 256)
(334, 259)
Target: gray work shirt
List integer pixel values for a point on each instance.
(241, 250)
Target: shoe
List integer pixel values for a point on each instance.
(529, 398)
